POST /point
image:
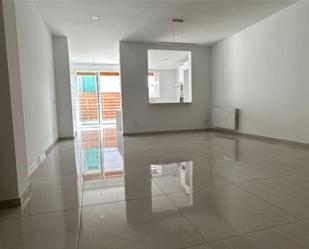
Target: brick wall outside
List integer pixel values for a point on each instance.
(88, 105)
(91, 139)
(111, 104)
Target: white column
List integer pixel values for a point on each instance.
(63, 87)
(13, 162)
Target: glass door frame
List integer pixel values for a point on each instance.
(100, 107)
(79, 122)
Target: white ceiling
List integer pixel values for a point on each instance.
(166, 59)
(92, 41)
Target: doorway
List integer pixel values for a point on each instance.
(97, 98)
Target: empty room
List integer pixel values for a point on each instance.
(154, 124)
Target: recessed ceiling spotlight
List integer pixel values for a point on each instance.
(95, 18)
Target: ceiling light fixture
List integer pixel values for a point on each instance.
(177, 34)
(95, 18)
(178, 29)
(178, 20)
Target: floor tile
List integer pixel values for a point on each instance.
(290, 236)
(136, 224)
(51, 173)
(48, 197)
(114, 190)
(290, 193)
(238, 171)
(285, 164)
(227, 211)
(202, 246)
(58, 230)
(184, 177)
(233, 191)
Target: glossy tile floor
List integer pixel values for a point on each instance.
(197, 190)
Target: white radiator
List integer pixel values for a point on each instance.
(226, 118)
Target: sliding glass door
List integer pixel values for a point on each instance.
(97, 99)
(109, 85)
(88, 99)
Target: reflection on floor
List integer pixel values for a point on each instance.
(195, 190)
(100, 156)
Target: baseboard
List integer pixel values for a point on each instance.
(276, 140)
(17, 202)
(264, 138)
(35, 164)
(50, 148)
(227, 131)
(10, 203)
(38, 161)
(163, 132)
(65, 138)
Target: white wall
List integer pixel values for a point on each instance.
(263, 70)
(37, 78)
(13, 160)
(139, 115)
(63, 87)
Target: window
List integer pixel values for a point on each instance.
(88, 84)
(169, 76)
